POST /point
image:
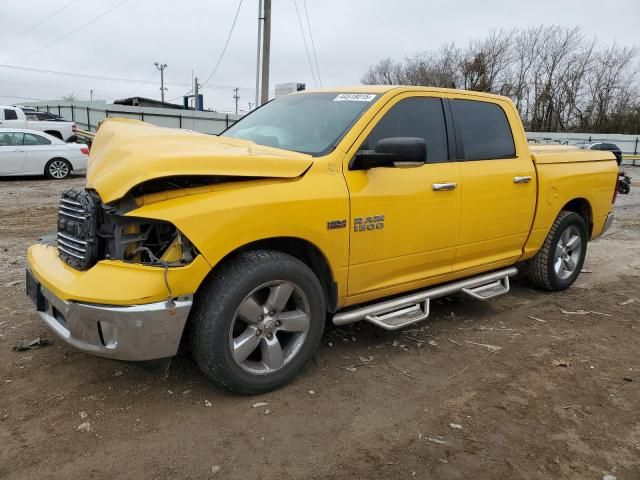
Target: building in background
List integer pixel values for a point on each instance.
(146, 102)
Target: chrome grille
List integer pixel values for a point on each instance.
(71, 246)
(78, 216)
(71, 209)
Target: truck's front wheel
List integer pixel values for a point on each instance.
(257, 321)
(558, 263)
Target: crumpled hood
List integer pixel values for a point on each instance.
(126, 153)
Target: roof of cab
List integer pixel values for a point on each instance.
(381, 89)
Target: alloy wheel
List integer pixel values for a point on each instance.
(568, 252)
(269, 327)
(59, 169)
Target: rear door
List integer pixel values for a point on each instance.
(403, 230)
(499, 185)
(12, 154)
(39, 151)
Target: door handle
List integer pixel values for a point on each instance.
(443, 187)
(525, 179)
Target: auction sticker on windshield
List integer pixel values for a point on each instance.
(355, 97)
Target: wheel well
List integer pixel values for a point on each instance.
(582, 207)
(304, 251)
(59, 158)
(54, 133)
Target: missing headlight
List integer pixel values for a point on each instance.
(145, 241)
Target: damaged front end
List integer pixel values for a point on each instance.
(90, 231)
(117, 285)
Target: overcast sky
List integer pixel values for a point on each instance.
(188, 35)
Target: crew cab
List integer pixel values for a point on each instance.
(358, 204)
(15, 117)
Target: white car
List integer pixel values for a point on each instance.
(31, 152)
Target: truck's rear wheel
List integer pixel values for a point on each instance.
(257, 321)
(558, 263)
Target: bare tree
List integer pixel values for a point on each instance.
(386, 72)
(557, 78)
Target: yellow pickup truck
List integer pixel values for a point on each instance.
(344, 204)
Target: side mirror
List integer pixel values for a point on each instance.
(393, 152)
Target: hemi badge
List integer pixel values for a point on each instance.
(333, 224)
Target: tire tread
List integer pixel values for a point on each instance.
(214, 295)
(536, 269)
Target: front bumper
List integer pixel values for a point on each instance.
(134, 333)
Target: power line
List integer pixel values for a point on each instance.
(84, 75)
(38, 24)
(94, 19)
(181, 96)
(21, 98)
(313, 45)
(305, 44)
(148, 79)
(106, 78)
(224, 49)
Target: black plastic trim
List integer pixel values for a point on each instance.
(456, 134)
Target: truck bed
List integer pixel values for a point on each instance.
(547, 154)
(562, 174)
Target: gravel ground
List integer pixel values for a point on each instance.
(558, 398)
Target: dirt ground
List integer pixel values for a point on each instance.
(558, 398)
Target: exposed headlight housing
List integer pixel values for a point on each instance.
(89, 231)
(143, 240)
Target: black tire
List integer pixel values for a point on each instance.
(217, 305)
(541, 269)
(623, 188)
(57, 169)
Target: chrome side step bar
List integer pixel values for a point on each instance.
(402, 311)
(490, 290)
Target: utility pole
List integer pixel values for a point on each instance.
(196, 97)
(260, 18)
(266, 50)
(91, 96)
(236, 97)
(161, 67)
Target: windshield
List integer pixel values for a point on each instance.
(309, 123)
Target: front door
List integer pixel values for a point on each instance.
(39, 150)
(12, 154)
(404, 223)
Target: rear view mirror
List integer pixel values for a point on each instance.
(393, 152)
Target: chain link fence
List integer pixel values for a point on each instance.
(88, 116)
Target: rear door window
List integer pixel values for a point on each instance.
(31, 139)
(10, 114)
(420, 117)
(483, 129)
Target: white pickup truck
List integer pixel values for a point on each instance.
(14, 117)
